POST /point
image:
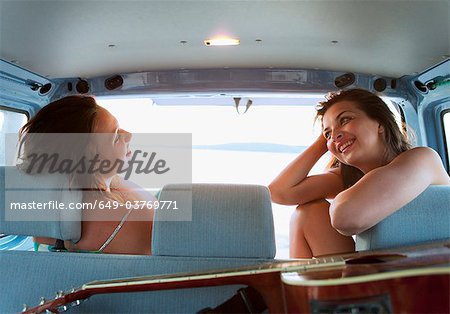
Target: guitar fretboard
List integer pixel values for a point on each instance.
(286, 266)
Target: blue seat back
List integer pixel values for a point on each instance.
(227, 220)
(424, 219)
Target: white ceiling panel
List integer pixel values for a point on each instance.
(72, 38)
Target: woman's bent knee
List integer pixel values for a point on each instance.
(311, 224)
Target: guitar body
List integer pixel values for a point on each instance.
(424, 294)
(377, 284)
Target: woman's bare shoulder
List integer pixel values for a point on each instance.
(419, 154)
(421, 150)
(424, 159)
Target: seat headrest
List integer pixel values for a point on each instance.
(20, 197)
(214, 220)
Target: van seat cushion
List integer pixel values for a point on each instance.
(228, 220)
(424, 219)
(27, 276)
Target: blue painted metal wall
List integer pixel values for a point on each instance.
(422, 109)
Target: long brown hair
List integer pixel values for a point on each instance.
(71, 114)
(375, 108)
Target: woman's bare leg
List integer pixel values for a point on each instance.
(311, 233)
(298, 246)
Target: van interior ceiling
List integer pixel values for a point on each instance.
(92, 38)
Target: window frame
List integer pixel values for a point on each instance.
(14, 110)
(26, 113)
(444, 139)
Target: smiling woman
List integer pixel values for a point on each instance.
(375, 172)
(379, 133)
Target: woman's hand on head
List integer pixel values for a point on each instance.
(321, 143)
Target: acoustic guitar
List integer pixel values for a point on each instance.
(406, 280)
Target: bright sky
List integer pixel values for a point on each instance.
(289, 125)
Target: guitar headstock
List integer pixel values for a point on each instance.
(60, 303)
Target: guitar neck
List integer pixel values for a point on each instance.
(278, 267)
(263, 275)
(410, 256)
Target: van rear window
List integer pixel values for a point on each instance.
(228, 145)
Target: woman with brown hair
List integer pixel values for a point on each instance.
(73, 131)
(375, 172)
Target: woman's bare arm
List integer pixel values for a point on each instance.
(293, 186)
(384, 190)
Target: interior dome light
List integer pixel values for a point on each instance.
(222, 41)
